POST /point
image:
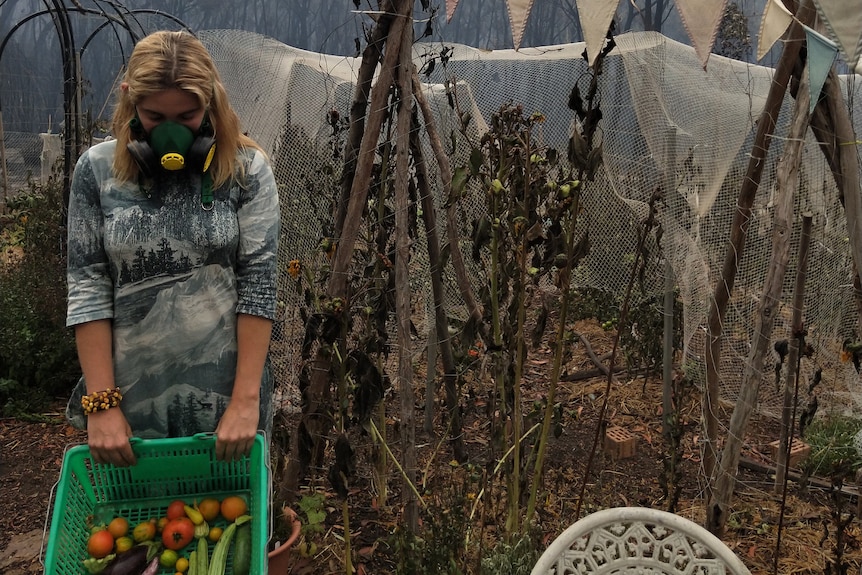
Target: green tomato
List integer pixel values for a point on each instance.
(168, 558)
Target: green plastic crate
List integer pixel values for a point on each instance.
(167, 469)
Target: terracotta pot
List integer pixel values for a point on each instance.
(279, 557)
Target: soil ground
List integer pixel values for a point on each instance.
(31, 455)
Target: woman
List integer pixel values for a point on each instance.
(173, 229)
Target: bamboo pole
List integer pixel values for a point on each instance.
(460, 268)
(847, 150)
(791, 382)
(440, 339)
(791, 386)
(668, 182)
(794, 39)
(337, 286)
(315, 416)
(787, 177)
(404, 82)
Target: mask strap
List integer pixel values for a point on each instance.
(137, 127)
(207, 191)
(145, 185)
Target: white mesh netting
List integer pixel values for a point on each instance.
(665, 120)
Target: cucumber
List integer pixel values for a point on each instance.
(242, 550)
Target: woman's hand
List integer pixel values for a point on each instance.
(108, 435)
(237, 428)
(108, 431)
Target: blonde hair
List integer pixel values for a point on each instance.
(165, 60)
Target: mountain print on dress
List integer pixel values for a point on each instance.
(172, 276)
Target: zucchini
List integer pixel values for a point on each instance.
(218, 561)
(242, 550)
(203, 556)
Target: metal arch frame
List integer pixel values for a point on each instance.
(59, 13)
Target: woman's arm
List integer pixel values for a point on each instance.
(237, 428)
(108, 431)
(256, 269)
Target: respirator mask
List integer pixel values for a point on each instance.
(171, 146)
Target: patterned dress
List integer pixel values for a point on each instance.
(172, 274)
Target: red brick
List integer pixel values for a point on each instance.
(799, 451)
(620, 443)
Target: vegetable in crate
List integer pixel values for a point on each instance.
(242, 550)
(232, 507)
(168, 558)
(95, 566)
(100, 544)
(219, 558)
(178, 533)
(132, 562)
(176, 509)
(202, 528)
(152, 568)
(209, 508)
(193, 514)
(144, 531)
(203, 556)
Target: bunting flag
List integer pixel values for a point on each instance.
(450, 9)
(843, 21)
(821, 55)
(701, 19)
(776, 20)
(596, 16)
(519, 11)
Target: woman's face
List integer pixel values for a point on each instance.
(172, 105)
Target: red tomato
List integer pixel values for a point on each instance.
(101, 543)
(176, 509)
(178, 533)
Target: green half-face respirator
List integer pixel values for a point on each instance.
(171, 146)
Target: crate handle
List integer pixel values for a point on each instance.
(49, 511)
(47, 525)
(203, 436)
(149, 466)
(268, 464)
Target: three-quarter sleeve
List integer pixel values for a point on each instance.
(259, 224)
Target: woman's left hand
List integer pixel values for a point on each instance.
(237, 429)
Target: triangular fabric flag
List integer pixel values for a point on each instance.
(821, 54)
(843, 21)
(776, 20)
(519, 11)
(596, 16)
(701, 19)
(450, 9)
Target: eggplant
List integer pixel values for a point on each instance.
(152, 568)
(132, 562)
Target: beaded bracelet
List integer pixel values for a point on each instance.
(101, 400)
